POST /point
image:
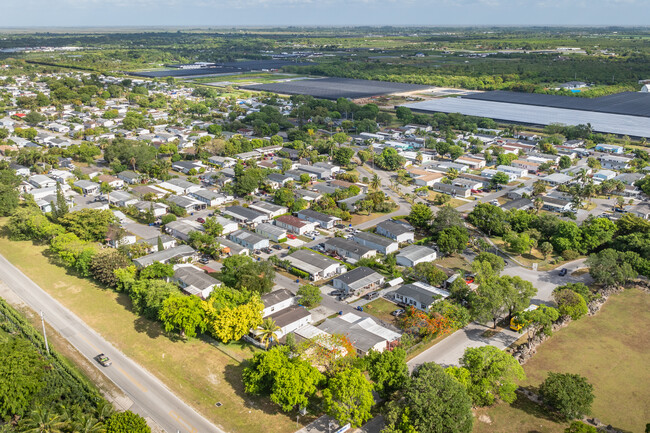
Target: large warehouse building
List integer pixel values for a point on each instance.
(623, 114)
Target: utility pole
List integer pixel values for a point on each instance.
(47, 347)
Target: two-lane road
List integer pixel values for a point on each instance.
(150, 397)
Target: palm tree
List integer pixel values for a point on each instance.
(105, 188)
(267, 331)
(88, 424)
(375, 183)
(132, 161)
(104, 410)
(41, 420)
(539, 203)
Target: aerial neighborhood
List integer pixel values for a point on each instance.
(307, 245)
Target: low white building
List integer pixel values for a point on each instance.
(414, 254)
(270, 231)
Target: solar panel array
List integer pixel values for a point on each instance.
(186, 72)
(628, 103)
(221, 68)
(334, 88)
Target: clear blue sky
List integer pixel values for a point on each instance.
(80, 13)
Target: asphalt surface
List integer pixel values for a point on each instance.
(150, 397)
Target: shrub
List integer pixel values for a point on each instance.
(569, 394)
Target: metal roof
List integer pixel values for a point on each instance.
(629, 103)
(310, 261)
(191, 276)
(394, 228)
(635, 126)
(415, 252)
(375, 239)
(165, 255)
(360, 277)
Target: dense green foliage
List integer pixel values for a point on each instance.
(434, 402)
(569, 394)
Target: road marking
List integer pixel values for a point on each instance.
(135, 382)
(182, 421)
(89, 343)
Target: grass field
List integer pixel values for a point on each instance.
(522, 416)
(196, 371)
(610, 349)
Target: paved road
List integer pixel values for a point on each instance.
(403, 209)
(150, 397)
(451, 349)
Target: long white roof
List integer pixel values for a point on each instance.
(635, 126)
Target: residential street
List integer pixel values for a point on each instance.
(149, 397)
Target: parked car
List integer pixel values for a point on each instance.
(103, 360)
(359, 308)
(371, 295)
(397, 313)
(277, 247)
(204, 260)
(267, 250)
(563, 272)
(290, 236)
(201, 220)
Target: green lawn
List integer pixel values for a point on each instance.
(197, 372)
(381, 309)
(610, 349)
(522, 416)
(455, 262)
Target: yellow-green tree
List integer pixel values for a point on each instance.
(231, 322)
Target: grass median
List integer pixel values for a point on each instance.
(195, 371)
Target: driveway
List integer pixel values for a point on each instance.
(546, 281)
(142, 230)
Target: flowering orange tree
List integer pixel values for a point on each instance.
(417, 321)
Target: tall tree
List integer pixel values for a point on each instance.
(348, 397)
(517, 293)
(183, 313)
(433, 402)
(388, 370)
(267, 331)
(420, 215)
(492, 374)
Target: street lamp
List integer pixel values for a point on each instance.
(47, 347)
